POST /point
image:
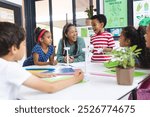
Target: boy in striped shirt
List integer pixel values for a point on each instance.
(102, 40)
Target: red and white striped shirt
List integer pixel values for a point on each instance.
(101, 40)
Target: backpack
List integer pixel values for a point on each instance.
(142, 92)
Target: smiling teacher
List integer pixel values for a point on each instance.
(75, 43)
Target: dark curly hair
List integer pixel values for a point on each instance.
(136, 37)
(37, 32)
(10, 34)
(145, 54)
(131, 34)
(101, 18)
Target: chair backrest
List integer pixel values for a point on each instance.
(145, 84)
(142, 92)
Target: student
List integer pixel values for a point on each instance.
(129, 37)
(147, 36)
(12, 47)
(43, 50)
(75, 43)
(144, 57)
(102, 40)
(143, 91)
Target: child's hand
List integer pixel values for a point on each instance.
(99, 50)
(55, 62)
(78, 75)
(91, 47)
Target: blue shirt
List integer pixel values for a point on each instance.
(43, 57)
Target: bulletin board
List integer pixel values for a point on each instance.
(116, 13)
(141, 10)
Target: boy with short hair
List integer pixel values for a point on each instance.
(102, 40)
(12, 47)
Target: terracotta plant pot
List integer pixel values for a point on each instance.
(125, 76)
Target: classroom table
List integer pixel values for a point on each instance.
(97, 85)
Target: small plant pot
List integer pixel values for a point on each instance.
(125, 76)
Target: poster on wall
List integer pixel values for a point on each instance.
(141, 10)
(116, 13)
(6, 15)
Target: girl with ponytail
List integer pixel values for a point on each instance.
(43, 52)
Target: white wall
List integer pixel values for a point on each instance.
(101, 6)
(19, 2)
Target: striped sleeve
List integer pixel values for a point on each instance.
(111, 42)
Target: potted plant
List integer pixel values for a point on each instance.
(89, 12)
(124, 59)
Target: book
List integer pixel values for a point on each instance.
(41, 69)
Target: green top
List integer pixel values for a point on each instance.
(78, 57)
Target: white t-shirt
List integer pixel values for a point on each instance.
(12, 75)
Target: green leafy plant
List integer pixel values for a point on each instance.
(123, 57)
(90, 11)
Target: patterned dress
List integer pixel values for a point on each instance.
(43, 57)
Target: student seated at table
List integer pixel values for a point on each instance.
(102, 40)
(43, 52)
(129, 37)
(75, 43)
(144, 57)
(143, 91)
(12, 75)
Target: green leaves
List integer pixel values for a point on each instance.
(90, 11)
(125, 56)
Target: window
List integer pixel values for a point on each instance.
(10, 12)
(62, 13)
(81, 6)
